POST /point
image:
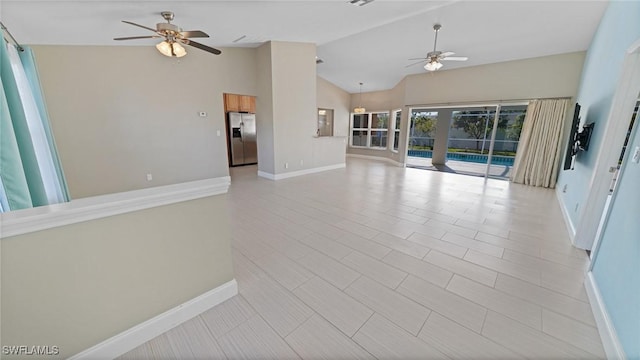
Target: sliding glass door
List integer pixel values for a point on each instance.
(479, 140)
(422, 129)
(483, 141)
(506, 140)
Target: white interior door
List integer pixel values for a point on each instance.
(622, 107)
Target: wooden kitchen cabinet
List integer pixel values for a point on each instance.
(248, 103)
(239, 103)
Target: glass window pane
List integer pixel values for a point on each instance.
(398, 118)
(508, 136)
(380, 120)
(359, 138)
(360, 121)
(471, 130)
(378, 139)
(396, 140)
(422, 129)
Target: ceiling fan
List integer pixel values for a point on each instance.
(173, 36)
(434, 57)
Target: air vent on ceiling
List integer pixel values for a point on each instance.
(360, 2)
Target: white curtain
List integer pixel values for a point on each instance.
(538, 155)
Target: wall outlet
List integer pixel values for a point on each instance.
(301, 162)
(149, 177)
(217, 132)
(286, 165)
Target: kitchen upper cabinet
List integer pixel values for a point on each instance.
(239, 103)
(248, 103)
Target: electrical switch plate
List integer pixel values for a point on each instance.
(636, 155)
(218, 132)
(149, 177)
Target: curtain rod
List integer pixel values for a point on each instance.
(485, 102)
(18, 46)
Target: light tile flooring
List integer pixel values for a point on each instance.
(376, 261)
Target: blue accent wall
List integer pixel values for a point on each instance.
(617, 264)
(618, 29)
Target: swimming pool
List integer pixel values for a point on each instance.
(475, 158)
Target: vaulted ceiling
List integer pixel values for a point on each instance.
(369, 44)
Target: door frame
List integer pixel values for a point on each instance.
(622, 104)
(624, 101)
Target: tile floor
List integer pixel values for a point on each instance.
(376, 261)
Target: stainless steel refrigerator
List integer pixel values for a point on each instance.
(243, 149)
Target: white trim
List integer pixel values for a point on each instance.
(599, 232)
(266, 175)
(379, 158)
(143, 332)
(287, 175)
(610, 341)
(46, 217)
(571, 229)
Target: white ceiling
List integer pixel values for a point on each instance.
(369, 44)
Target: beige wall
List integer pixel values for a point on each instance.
(543, 77)
(373, 101)
(294, 104)
(120, 113)
(287, 76)
(333, 97)
(264, 110)
(77, 285)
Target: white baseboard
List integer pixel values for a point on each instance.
(567, 219)
(610, 342)
(141, 333)
(266, 175)
(379, 158)
(270, 176)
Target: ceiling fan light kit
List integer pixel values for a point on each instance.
(171, 49)
(432, 66)
(173, 37)
(434, 57)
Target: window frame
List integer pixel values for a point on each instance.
(328, 114)
(369, 130)
(397, 121)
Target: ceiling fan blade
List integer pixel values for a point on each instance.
(201, 46)
(424, 58)
(137, 37)
(194, 34)
(138, 25)
(455, 58)
(446, 54)
(416, 63)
